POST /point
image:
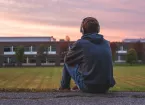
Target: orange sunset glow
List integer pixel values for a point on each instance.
(118, 19)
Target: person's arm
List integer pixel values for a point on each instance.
(74, 55)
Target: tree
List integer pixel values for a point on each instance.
(131, 56)
(138, 46)
(40, 54)
(113, 46)
(1, 60)
(63, 48)
(19, 53)
(67, 38)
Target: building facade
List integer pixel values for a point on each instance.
(56, 50)
(123, 47)
(31, 45)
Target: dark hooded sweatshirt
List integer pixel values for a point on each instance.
(93, 55)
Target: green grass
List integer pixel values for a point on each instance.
(128, 78)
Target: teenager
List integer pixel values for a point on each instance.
(89, 61)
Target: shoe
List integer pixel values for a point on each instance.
(75, 88)
(64, 89)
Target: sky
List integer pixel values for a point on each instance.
(119, 19)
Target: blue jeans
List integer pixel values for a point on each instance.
(71, 72)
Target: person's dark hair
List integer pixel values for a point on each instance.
(90, 25)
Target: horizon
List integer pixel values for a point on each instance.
(63, 38)
(119, 20)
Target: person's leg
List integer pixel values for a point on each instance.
(76, 76)
(65, 82)
(69, 72)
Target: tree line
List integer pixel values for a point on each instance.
(134, 53)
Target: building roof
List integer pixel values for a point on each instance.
(26, 39)
(134, 40)
(142, 40)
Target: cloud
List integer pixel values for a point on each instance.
(125, 16)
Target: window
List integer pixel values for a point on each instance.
(122, 57)
(32, 60)
(43, 60)
(48, 48)
(27, 49)
(9, 60)
(123, 48)
(14, 48)
(51, 61)
(7, 49)
(53, 48)
(5, 59)
(34, 48)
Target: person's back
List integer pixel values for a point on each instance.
(96, 63)
(89, 60)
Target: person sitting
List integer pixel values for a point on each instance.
(89, 61)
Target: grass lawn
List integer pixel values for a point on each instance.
(128, 78)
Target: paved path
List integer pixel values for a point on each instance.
(72, 98)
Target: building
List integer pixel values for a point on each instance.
(56, 50)
(125, 45)
(31, 44)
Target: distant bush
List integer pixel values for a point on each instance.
(131, 56)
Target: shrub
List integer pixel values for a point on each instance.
(131, 56)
